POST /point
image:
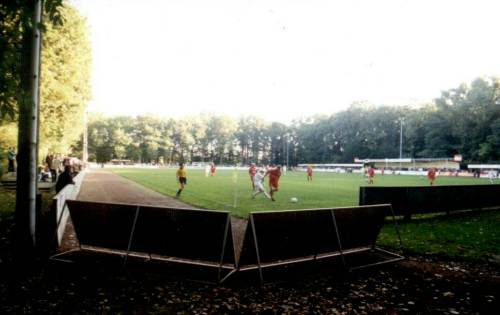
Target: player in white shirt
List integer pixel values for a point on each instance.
(492, 175)
(258, 181)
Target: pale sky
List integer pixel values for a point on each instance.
(283, 59)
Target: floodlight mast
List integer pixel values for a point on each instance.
(401, 120)
(85, 154)
(287, 140)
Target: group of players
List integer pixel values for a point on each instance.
(370, 174)
(256, 176)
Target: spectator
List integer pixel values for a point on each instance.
(45, 174)
(48, 160)
(477, 173)
(57, 164)
(54, 166)
(11, 155)
(64, 179)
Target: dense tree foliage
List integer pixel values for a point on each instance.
(15, 20)
(65, 74)
(65, 85)
(464, 120)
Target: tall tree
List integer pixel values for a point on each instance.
(16, 28)
(65, 86)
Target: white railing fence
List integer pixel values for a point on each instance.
(59, 201)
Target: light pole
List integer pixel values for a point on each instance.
(85, 149)
(287, 140)
(401, 120)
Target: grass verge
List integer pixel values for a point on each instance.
(471, 235)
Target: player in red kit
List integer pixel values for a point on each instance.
(431, 174)
(212, 170)
(274, 178)
(371, 175)
(309, 173)
(252, 171)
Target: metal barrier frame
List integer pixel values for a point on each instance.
(236, 267)
(231, 268)
(341, 253)
(59, 203)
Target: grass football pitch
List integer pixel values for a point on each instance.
(231, 190)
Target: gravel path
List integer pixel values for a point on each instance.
(100, 185)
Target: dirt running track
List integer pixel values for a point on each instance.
(99, 185)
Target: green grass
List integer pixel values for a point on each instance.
(470, 235)
(231, 191)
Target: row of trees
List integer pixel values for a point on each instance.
(464, 120)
